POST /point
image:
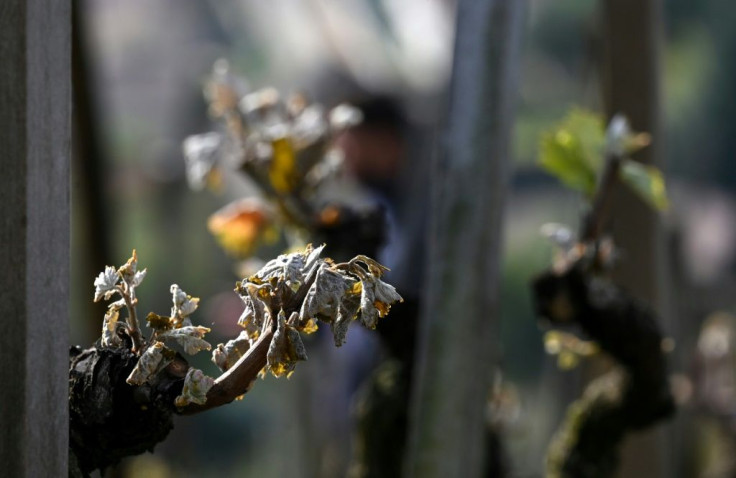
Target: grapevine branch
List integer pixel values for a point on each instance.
(237, 380)
(631, 397)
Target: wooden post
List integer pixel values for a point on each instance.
(631, 86)
(460, 320)
(34, 236)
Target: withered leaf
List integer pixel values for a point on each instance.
(196, 386)
(189, 337)
(376, 299)
(347, 311)
(286, 348)
(159, 322)
(324, 295)
(184, 306)
(225, 355)
(153, 360)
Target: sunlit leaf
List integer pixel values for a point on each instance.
(572, 151)
(183, 306)
(201, 155)
(241, 226)
(647, 181)
(105, 283)
(129, 271)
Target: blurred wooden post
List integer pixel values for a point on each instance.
(632, 32)
(457, 349)
(34, 236)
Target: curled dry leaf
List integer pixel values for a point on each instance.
(225, 355)
(375, 300)
(190, 338)
(153, 360)
(196, 386)
(286, 347)
(110, 324)
(319, 290)
(184, 306)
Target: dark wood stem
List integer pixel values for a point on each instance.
(593, 222)
(238, 379)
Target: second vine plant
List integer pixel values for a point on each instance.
(284, 147)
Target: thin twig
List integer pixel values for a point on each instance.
(133, 327)
(236, 380)
(593, 222)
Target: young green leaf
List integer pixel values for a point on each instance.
(646, 181)
(573, 151)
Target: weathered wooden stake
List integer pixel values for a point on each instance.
(457, 351)
(34, 236)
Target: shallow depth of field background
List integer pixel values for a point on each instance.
(147, 64)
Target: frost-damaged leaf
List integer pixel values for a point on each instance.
(646, 181)
(189, 337)
(184, 305)
(224, 89)
(241, 226)
(138, 278)
(309, 126)
(159, 322)
(110, 323)
(105, 283)
(375, 268)
(256, 310)
(286, 267)
(375, 300)
(324, 296)
(153, 360)
(129, 271)
(249, 319)
(286, 347)
(283, 173)
(201, 153)
(196, 386)
(225, 355)
(347, 311)
(345, 116)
